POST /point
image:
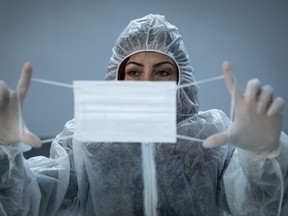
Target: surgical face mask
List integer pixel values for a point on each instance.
(93, 119)
(134, 111)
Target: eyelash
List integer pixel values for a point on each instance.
(130, 73)
(159, 72)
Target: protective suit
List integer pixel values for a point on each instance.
(146, 178)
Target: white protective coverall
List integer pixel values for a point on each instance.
(118, 179)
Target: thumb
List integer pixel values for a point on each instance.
(24, 81)
(31, 139)
(216, 140)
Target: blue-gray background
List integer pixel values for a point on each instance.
(68, 40)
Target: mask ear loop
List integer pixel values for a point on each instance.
(212, 79)
(52, 139)
(49, 82)
(201, 82)
(193, 139)
(232, 105)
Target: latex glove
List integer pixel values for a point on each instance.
(12, 127)
(258, 118)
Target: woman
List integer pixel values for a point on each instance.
(181, 179)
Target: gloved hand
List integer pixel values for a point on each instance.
(258, 118)
(12, 127)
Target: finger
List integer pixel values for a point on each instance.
(252, 90)
(232, 87)
(265, 98)
(277, 107)
(24, 81)
(216, 140)
(31, 139)
(4, 94)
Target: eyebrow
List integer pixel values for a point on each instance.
(155, 65)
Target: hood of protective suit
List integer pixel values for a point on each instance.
(154, 33)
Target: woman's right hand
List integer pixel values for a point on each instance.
(12, 126)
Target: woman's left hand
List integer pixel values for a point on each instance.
(258, 117)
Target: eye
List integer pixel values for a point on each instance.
(162, 73)
(133, 73)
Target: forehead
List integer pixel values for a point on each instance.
(151, 57)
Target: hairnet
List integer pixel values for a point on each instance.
(154, 33)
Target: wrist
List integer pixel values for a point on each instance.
(274, 153)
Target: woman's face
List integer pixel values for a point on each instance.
(150, 66)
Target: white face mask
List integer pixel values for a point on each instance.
(125, 111)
